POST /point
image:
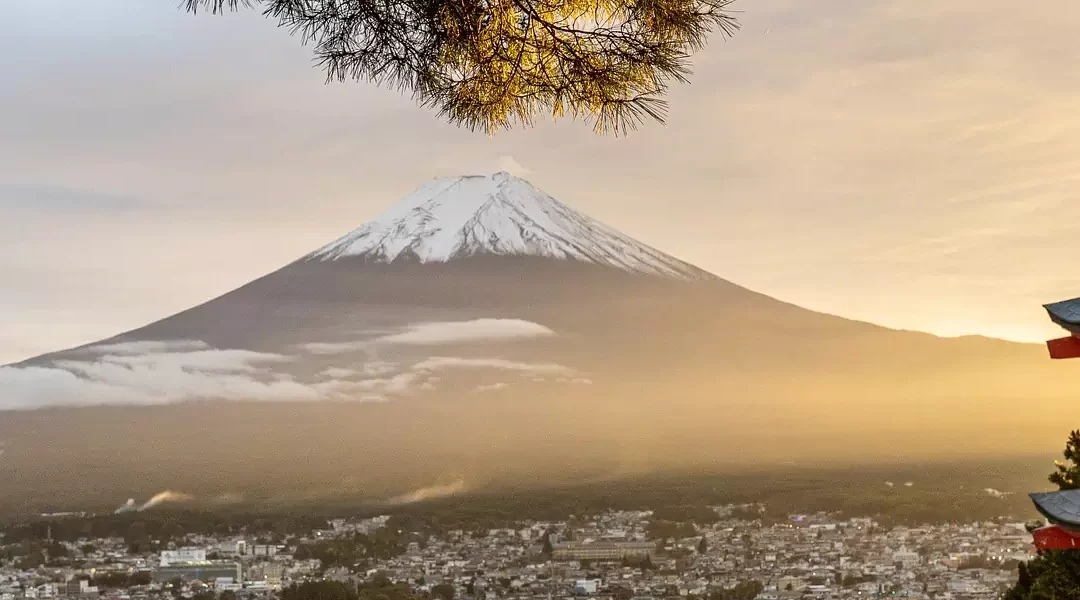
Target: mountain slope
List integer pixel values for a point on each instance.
(480, 330)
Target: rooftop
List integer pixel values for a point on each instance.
(1066, 312)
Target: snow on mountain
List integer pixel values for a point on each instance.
(498, 214)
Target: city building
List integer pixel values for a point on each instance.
(602, 550)
(204, 570)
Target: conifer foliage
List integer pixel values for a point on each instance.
(493, 64)
(1054, 574)
(1067, 475)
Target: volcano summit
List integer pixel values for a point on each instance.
(480, 330)
(500, 215)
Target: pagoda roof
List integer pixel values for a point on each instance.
(1065, 313)
(1060, 508)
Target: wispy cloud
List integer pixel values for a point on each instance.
(439, 363)
(467, 331)
(143, 347)
(336, 347)
(197, 360)
(438, 333)
(398, 384)
(368, 369)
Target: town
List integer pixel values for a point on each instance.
(711, 553)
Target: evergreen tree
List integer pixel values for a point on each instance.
(702, 546)
(1067, 475)
(1054, 574)
(490, 64)
(443, 591)
(1023, 579)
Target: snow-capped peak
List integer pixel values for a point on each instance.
(498, 214)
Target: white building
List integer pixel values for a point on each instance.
(222, 584)
(587, 586)
(266, 550)
(184, 555)
(906, 557)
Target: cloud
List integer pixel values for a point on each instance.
(428, 493)
(143, 347)
(199, 360)
(467, 331)
(124, 378)
(369, 369)
(399, 384)
(492, 387)
(440, 332)
(335, 347)
(439, 363)
(339, 373)
(378, 368)
(165, 372)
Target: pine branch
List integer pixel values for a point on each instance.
(492, 64)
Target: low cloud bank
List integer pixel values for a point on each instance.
(151, 378)
(150, 373)
(165, 372)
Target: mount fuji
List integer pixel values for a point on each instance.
(479, 331)
(501, 215)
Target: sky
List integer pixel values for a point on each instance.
(909, 164)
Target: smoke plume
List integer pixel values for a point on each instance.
(428, 493)
(163, 497)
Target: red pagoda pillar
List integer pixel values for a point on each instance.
(1067, 315)
(1061, 509)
